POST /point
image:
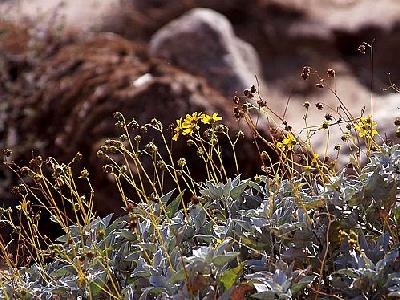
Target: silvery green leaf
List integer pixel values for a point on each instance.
(173, 207)
(166, 198)
(177, 276)
(222, 247)
(229, 277)
(222, 260)
(158, 281)
(62, 272)
(127, 234)
(150, 290)
(142, 269)
(203, 252)
(197, 217)
(302, 283)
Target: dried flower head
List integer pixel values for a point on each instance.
(328, 117)
(331, 73)
(305, 74)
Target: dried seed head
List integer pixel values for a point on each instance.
(137, 138)
(261, 102)
(25, 171)
(133, 124)
(328, 117)
(325, 125)
(123, 170)
(253, 89)
(331, 73)
(319, 106)
(181, 162)
(397, 121)
(123, 137)
(130, 206)
(100, 154)
(200, 152)
(36, 163)
(143, 129)
(221, 128)
(264, 156)
(119, 124)
(161, 165)
(362, 48)
(7, 152)
(108, 169)
(84, 173)
(306, 104)
(245, 107)
(194, 200)
(237, 112)
(236, 100)
(151, 148)
(247, 93)
(305, 74)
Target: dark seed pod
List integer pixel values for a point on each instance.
(331, 73)
(305, 74)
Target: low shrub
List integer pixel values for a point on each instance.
(301, 229)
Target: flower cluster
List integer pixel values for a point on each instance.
(288, 143)
(366, 127)
(191, 123)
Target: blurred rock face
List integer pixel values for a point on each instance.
(286, 34)
(63, 101)
(202, 42)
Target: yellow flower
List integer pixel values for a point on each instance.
(366, 127)
(188, 125)
(280, 146)
(314, 160)
(23, 205)
(217, 243)
(289, 141)
(178, 129)
(190, 122)
(81, 278)
(209, 119)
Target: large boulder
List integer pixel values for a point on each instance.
(63, 102)
(202, 42)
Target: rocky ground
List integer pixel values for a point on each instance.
(153, 57)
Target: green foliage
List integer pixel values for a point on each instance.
(302, 230)
(282, 241)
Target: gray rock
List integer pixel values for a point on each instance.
(203, 43)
